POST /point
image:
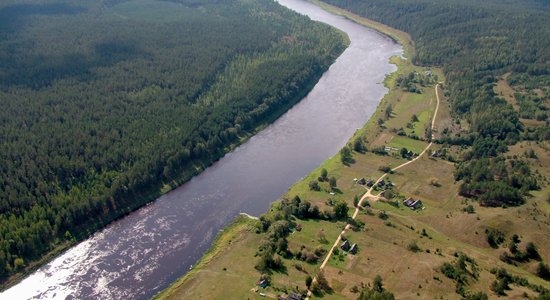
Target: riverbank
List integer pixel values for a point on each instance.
(227, 238)
(393, 239)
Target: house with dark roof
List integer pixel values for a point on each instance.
(353, 249)
(294, 296)
(413, 204)
(345, 245)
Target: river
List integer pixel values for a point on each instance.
(142, 253)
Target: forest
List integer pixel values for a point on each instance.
(105, 103)
(476, 42)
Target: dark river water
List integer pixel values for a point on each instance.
(141, 254)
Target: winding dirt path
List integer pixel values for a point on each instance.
(369, 191)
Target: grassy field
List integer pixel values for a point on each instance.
(439, 230)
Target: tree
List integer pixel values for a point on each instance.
(388, 111)
(404, 152)
(18, 264)
(355, 200)
(324, 173)
(323, 282)
(359, 145)
(332, 182)
(314, 186)
(377, 284)
(531, 251)
(340, 210)
(543, 271)
(346, 155)
(469, 209)
(309, 280)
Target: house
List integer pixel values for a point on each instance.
(381, 183)
(437, 154)
(263, 283)
(412, 204)
(408, 202)
(299, 227)
(416, 205)
(370, 182)
(345, 245)
(428, 73)
(294, 296)
(353, 249)
(362, 181)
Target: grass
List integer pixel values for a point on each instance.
(504, 90)
(405, 142)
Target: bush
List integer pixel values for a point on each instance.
(18, 264)
(314, 186)
(412, 246)
(434, 182)
(385, 169)
(309, 280)
(543, 271)
(469, 209)
(494, 237)
(382, 215)
(532, 252)
(340, 210)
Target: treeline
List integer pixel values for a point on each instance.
(105, 102)
(476, 42)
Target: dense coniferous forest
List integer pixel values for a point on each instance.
(104, 103)
(476, 42)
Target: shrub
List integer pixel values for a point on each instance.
(412, 246)
(543, 271)
(494, 237)
(385, 169)
(469, 209)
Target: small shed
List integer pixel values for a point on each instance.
(299, 227)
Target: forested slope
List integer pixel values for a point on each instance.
(476, 42)
(105, 102)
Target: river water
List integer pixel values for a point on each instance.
(142, 253)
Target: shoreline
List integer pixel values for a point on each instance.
(224, 238)
(233, 229)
